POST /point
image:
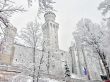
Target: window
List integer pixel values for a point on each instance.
(54, 25)
(51, 24)
(62, 54)
(53, 66)
(47, 24)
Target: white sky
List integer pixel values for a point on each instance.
(69, 12)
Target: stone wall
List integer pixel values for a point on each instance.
(23, 56)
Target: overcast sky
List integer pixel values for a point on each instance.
(69, 12)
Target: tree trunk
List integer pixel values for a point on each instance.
(40, 66)
(88, 74)
(40, 63)
(101, 66)
(103, 58)
(79, 63)
(73, 60)
(106, 68)
(34, 65)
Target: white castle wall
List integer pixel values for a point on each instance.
(23, 56)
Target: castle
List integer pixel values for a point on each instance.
(51, 54)
(54, 59)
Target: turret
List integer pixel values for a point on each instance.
(50, 31)
(49, 16)
(7, 45)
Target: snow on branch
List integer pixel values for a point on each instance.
(7, 8)
(104, 6)
(43, 5)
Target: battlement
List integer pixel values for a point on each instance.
(49, 16)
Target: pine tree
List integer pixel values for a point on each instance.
(67, 71)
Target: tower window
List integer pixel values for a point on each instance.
(47, 24)
(54, 25)
(53, 66)
(62, 54)
(51, 24)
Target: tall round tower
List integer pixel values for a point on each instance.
(50, 32)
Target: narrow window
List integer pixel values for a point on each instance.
(62, 54)
(51, 24)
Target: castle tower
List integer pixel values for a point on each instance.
(7, 46)
(50, 32)
(10, 33)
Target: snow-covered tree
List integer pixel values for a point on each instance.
(30, 36)
(44, 5)
(104, 6)
(7, 8)
(92, 36)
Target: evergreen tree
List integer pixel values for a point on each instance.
(67, 71)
